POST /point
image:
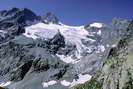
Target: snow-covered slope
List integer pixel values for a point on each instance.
(76, 36)
(98, 25)
(46, 31)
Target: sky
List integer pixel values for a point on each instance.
(76, 12)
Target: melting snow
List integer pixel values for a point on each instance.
(65, 83)
(99, 32)
(114, 45)
(46, 84)
(107, 45)
(82, 79)
(1, 31)
(98, 25)
(101, 48)
(3, 84)
(67, 59)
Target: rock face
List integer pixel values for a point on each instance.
(17, 16)
(50, 18)
(13, 21)
(39, 52)
(117, 71)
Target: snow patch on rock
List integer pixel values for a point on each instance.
(47, 84)
(4, 84)
(99, 32)
(107, 45)
(81, 80)
(114, 45)
(101, 48)
(67, 59)
(97, 25)
(65, 83)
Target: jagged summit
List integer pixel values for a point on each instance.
(4, 13)
(50, 18)
(18, 16)
(13, 21)
(25, 15)
(18, 11)
(28, 14)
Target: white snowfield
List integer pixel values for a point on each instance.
(2, 33)
(72, 34)
(46, 84)
(67, 59)
(65, 83)
(101, 48)
(98, 25)
(99, 32)
(42, 30)
(82, 79)
(4, 84)
(114, 45)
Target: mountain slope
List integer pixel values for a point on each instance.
(117, 70)
(44, 53)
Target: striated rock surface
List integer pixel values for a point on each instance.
(117, 71)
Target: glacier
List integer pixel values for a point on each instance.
(72, 34)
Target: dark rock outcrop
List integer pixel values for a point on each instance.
(13, 21)
(2, 88)
(17, 16)
(50, 18)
